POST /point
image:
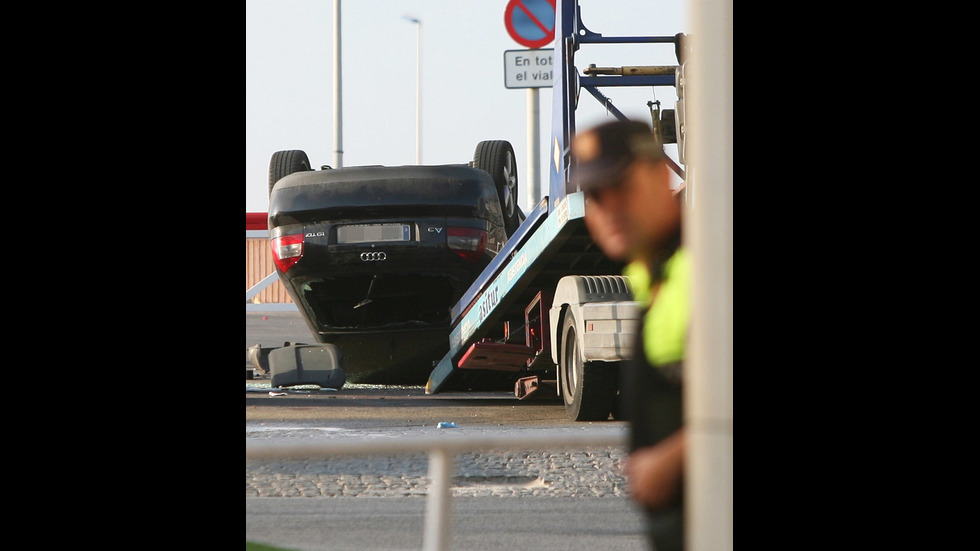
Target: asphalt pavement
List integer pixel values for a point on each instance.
(273, 328)
(548, 499)
(478, 524)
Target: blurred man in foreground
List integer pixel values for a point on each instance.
(633, 214)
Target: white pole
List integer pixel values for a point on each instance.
(533, 150)
(435, 535)
(709, 385)
(418, 97)
(338, 123)
(418, 88)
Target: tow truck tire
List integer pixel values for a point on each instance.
(284, 163)
(587, 388)
(497, 158)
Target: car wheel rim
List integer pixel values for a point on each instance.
(510, 186)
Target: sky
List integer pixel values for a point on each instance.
(289, 81)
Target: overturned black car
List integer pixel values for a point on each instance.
(376, 257)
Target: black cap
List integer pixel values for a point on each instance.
(602, 154)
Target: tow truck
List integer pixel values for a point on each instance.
(551, 312)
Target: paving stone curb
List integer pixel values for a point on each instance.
(592, 472)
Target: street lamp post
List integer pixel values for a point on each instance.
(418, 88)
(338, 113)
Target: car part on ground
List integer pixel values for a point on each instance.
(307, 364)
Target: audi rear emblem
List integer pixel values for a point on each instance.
(373, 257)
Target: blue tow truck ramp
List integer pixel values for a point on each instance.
(551, 307)
(547, 248)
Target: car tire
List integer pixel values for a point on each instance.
(587, 388)
(284, 163)
(496, 157)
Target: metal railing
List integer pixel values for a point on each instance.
(441, 451)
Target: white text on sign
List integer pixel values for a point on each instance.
(528, 68)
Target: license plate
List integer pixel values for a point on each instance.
(373, 233)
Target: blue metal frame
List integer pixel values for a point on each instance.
(570, 32)
(529, 247)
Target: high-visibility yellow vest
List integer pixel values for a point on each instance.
(639, 277)
(666, 321)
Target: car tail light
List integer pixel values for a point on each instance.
(286, 250)
(467, 242)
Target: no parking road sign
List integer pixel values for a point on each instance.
(530, 22)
